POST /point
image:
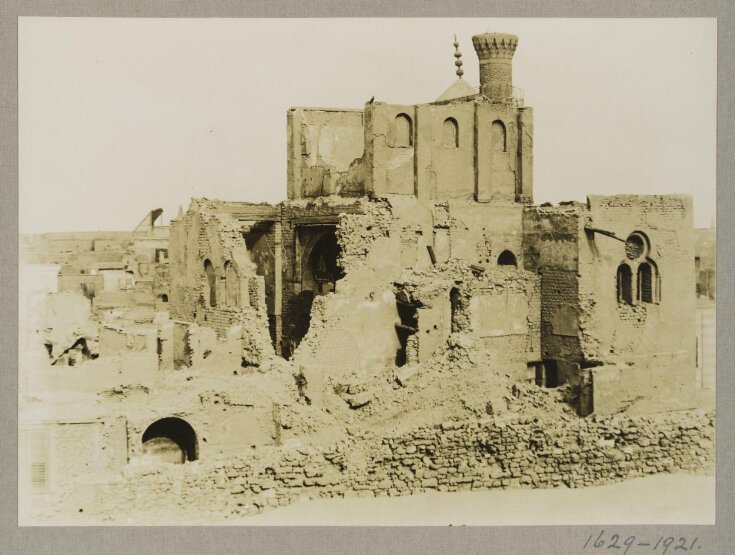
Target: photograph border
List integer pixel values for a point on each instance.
(717, 539)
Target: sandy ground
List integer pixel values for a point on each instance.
(659, 499)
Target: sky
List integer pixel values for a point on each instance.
(121, 116)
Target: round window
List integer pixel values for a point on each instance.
(634, 247)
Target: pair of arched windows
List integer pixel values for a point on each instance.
(231, 289)
(638, 280)
(403, 131)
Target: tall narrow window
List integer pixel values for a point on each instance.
(498, 136)
(454, 303)
(232, 285)
(210, 284)
(625, 284)
(645, 283)
(403, 131)
(451, 133)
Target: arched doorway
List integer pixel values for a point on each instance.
(320, 270)
(170, 440)
(507, 258)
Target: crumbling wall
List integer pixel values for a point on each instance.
(452, 456)
(353, 330)
(301, 221)
(325, 149)
(209, 234)
(551, 236)
(497, 310)
(480, 233)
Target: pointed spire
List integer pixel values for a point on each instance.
(181, 213)
(458, 61)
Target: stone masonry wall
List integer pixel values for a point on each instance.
(453, 456)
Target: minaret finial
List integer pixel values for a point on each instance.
(458, 61)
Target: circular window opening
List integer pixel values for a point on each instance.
(634, 247)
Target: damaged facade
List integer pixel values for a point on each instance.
(407, 280)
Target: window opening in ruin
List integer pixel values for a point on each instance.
(451, 133)
(507, 258)
(232, 285)
(498, 136)
(625, 284)
(454, 303)
(210, 284)
(322, 264)
(634, 246)
(164, 298)
(550, 373)
(403, 129)
(170, 440)
(406, 330)
(129, 280)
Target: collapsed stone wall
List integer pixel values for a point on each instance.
(453, 456)
(298, 216)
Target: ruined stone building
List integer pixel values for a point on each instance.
(408, 280)
(383, 195)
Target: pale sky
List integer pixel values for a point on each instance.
(120, 116)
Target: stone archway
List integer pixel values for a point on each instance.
(171, 440)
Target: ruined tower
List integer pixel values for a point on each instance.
(495, 52)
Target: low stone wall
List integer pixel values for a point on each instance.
(453, 456)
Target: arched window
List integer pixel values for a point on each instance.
(645, 283)
(507, 258)
(164, 298)
(648, 282)
(403, 131)
(451, 133)
(232, 285)
(498, 135)
(170, 440)
(625, 284)
(210, 284)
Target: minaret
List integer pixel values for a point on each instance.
(495, 52)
